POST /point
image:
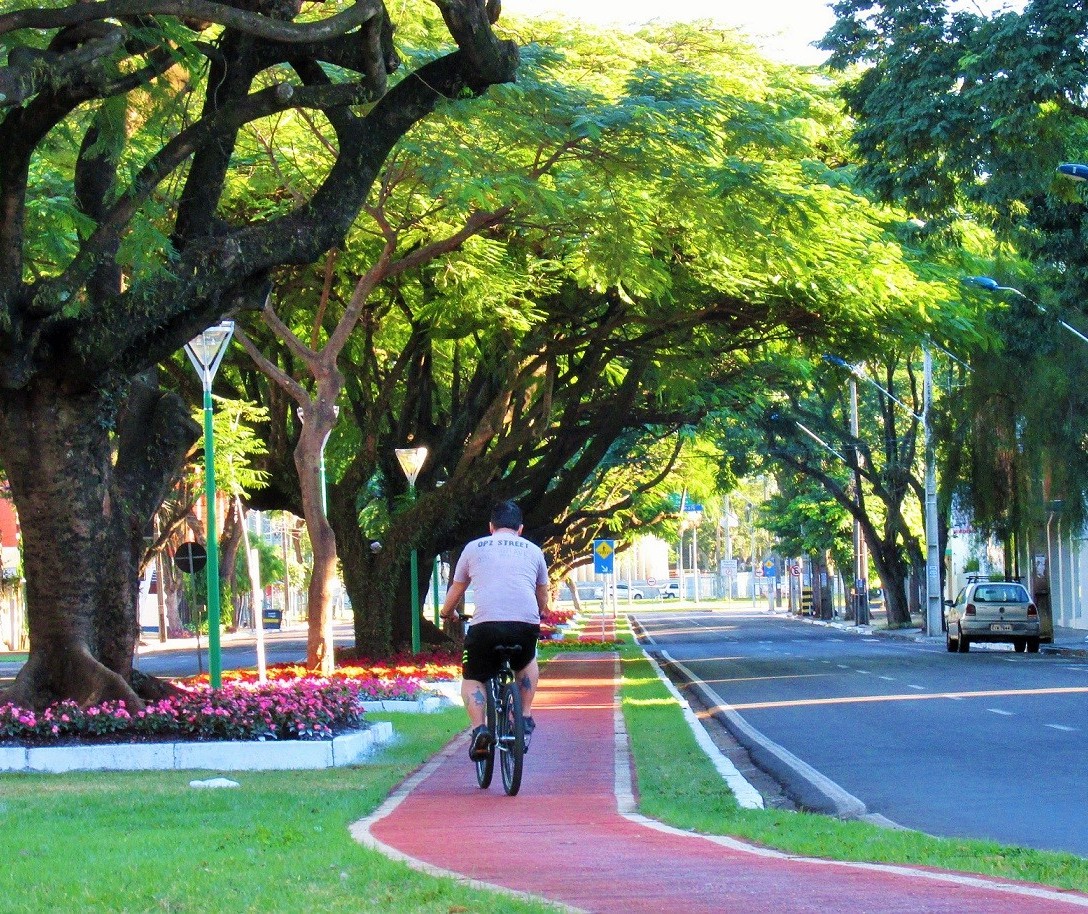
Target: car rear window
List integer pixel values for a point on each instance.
(1001, 593)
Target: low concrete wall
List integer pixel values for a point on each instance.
(346, 749)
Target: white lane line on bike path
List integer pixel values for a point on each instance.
(360, 831)
(628, 806)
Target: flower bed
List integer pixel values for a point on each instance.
(400, 677)
(304, 709)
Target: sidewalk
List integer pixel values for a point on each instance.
(572, 836)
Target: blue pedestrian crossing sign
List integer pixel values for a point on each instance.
(604, 553)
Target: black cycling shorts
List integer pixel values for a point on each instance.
(480, 662)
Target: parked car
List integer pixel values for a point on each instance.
(671, 591)
(990, 611)
(623, 589)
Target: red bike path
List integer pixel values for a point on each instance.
(571, 836)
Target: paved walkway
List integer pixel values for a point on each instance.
(571, 834)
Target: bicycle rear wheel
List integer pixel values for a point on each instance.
(485, 768)
(511, 737)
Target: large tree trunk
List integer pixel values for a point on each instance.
(318, 423)
(84, 515)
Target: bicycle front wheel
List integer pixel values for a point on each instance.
(485, 767)
(511, 737)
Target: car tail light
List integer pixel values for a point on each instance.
(1032, 611)
(969, 609)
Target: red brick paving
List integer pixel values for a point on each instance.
(563, 837)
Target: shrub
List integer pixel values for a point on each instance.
(295, 708)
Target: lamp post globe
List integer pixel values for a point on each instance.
(1074, 171)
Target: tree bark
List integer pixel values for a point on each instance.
(83, 520)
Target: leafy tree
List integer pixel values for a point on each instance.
(694, 210)
(119, 131)
(958, 111)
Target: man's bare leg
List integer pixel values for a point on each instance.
(472, 693)
(527, 682)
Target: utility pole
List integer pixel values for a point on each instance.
(861, 558)
(934, 610)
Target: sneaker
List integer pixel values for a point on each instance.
(481, 744)
(530, 726)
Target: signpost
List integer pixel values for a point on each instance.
(191, 558)
(604, 555)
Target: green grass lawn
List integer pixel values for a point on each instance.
(147, 842)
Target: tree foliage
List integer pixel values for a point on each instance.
(119, 133)
(961, 112)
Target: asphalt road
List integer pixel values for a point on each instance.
(988, 744)
(181, 657)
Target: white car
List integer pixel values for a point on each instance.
(992, 611)
(671, 591)
(623, 590)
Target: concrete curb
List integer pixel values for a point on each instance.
(346, 749)
(428, 704)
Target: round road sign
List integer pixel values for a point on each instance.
(191, 557)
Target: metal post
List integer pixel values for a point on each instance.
(695, 557)
(206, 352)
(730, 579)
(215, 660)
(434, 590)
(752, 529)
(680, 562)
(253, 567)
(861, 561)
(933, 558)
(414, 568)
(411, 460)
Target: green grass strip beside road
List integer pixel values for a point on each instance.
(678, 785)
(279, 844)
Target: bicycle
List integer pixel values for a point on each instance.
(506, 722)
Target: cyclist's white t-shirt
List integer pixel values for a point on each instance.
(504, 570)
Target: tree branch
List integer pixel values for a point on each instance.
(255, 24)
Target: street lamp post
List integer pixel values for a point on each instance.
(934, 610)
(206, 352)
(861, 561)
(411, 460)
(992, 285)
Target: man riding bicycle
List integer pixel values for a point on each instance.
(509, 576)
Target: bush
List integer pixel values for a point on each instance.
(298, 708)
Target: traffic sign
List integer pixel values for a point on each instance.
(770, 568)
(191, 557)
(651, 582)
(795, 570)
(604, 553)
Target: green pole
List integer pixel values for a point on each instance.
(415, 586)
(215, 662)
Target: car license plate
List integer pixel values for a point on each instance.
(1000, 627)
